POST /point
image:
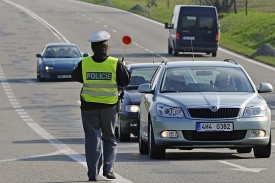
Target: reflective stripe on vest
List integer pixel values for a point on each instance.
(99, 81)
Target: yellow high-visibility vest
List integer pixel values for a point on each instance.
(99, 81)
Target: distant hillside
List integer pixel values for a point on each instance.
(245, 32)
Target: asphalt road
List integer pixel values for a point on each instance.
(41, 135)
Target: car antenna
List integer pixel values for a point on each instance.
(153, 55)
(192, 48)
(126, 40)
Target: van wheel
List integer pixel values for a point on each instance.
(170, 50)
(176, 51)
(214, 54)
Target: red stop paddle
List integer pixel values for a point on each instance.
(126, 40)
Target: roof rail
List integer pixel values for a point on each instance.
(231, 61)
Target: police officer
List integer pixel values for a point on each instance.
(101, 76)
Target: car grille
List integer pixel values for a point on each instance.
(214, 136)
(220, 113)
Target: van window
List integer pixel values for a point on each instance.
(189, 22)
(206, 23)
(194, 22)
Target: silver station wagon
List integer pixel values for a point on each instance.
(203, 104)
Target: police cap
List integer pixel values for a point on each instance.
(99, 36)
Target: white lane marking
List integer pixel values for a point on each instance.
(43, 22)
(242, 168)
(31, 157)
(38, 129)
(161, 24)
(247, 59)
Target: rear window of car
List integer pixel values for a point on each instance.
(141, 75)
(205, 79)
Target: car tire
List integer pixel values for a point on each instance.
(170, 50)
(155, 152)
(143, 147)
(263, 151)
(208, 53)
(116, 132)
(41, 79)
(214, 54)
(123, 137)
(244, 150)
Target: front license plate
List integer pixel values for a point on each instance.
(64, 76)
(188, 38)
(206, 127)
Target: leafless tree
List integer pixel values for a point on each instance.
(221, 5)
(151, 3)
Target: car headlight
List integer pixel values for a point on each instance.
(256, 111)
(132, 108)
(169, 112)
(48, 68)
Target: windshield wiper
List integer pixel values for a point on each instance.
(169, 91)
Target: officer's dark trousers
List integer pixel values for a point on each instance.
(99, 129)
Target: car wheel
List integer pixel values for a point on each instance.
(143, 147)
(123, 137)
(41, 79)
(208, 53)
(170, 50)
(155, 152)
(244, 150)
(116, 132)
(214, 54)
(263, 151)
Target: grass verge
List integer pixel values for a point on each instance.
(241, 33)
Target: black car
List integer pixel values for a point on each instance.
(129, 103)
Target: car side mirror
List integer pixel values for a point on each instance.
(265, 87)
(85, 54)
(145, 88)
(38, 55)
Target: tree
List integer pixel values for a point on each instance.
(223, 6)
(151, 3)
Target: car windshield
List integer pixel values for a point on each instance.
(140, 76)
(62, 52)
(205, 79)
